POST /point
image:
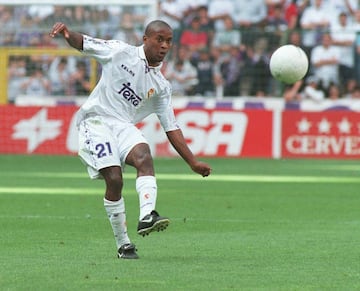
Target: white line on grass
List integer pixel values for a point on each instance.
(183, 177)
(52, 190)
(335, 167)
(214, 177)
(55, 217)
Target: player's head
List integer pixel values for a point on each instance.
(157, 41)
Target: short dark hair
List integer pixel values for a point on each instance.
(156, 25)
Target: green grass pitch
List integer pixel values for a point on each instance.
(254, 224)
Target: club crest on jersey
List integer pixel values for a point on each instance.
(129, 94)
(150, 93)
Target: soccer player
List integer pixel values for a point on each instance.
(131, 87)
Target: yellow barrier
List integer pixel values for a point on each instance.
(6, 52)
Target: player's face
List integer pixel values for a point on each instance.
(156, 45)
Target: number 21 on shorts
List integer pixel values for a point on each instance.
(103, 149)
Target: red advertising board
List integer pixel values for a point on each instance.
(327, 134)
(209, 132)
(217, 133)
(40, 130)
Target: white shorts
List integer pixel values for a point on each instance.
(105, 142)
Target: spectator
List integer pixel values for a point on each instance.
(205, 73)
(206, 23)
(312, 91)
(231, 72)
(59, 75)
(217, 59)
(250, 16)
(171, 12)
(182, 76)
(90, 23)
(325, 62)
(195, 4)
(277, 15)
(194, 38)
(357, 46)
(294, 37)
(29, 34)
(271, 6)
(277, 25)
(314, 21)
(126, 30)
(293, 11)
(349, 88)
(8, 26)
(343, 36)
(46, 41)
(189, 9)
(335, 7)
(58, 14)
(355, 94)
(182, 55)
(256, 68)
(79, 15)
(104, 23)
(39, 12)
(79, 80)
(218, 11)
(16, 75)
(334, 92)
(37, 84)
(227, 38)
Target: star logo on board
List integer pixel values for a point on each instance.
(344, 126)
(37, 130)
(303, 125)
(324, 126)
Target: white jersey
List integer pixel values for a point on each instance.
(128, 90)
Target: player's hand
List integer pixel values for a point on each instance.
(201, 168)
(61, 28)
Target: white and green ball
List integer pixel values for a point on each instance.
(289, 64)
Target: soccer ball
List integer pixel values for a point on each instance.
(288, 64)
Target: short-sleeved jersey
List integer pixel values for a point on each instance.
(128, 89)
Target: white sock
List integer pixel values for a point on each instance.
(117, 217)
(147, 190)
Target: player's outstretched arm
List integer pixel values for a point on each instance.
(177, 140)
(73, 38)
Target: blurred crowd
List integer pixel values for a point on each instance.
(221, 47)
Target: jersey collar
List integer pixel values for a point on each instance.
(142, 56)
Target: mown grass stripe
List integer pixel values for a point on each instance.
(214, 177)
(217, 178)
(52, 190)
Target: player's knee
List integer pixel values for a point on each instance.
(115, 181)
(144, 162)
(140, 158)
